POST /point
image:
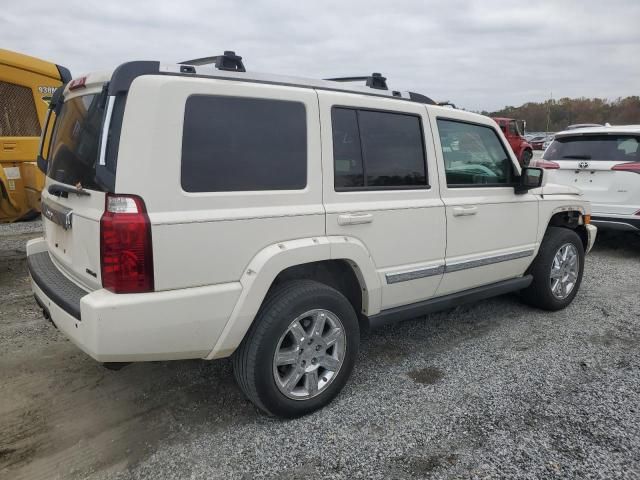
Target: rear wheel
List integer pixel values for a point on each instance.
(557, 270)
(526, 157)
(300, 350)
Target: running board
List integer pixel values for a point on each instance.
(407, 312)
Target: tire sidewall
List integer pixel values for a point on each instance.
(279, 317)
(543, 269)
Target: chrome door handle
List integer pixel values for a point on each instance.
(464, 211)
(354, 218)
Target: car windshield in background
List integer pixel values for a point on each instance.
(76, 139)
(613, 148)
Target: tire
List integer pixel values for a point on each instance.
(541, 293)
(268, 386)
(526, 157)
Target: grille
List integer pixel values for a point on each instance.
(18, 116)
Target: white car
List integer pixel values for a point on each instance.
(604, 162)
(193, 211)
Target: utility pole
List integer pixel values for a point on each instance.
(549, 111)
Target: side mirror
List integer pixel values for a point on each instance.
(42, 164)
(530, 178)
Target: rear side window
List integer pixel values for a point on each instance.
(18, 116)
(243, 144)
(373, 149)
(618, 148)
(473, 155)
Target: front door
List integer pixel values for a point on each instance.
(491, 230)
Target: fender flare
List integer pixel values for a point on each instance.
(262, 270)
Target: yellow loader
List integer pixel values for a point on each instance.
(26, 87)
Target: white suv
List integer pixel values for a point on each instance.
(203, 212)
(604, 162)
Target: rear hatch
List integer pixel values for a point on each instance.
(602, 165)
(73, 199)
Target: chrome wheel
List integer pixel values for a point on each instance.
(309, 354)
(564, 271)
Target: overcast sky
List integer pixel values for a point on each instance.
(479, 54)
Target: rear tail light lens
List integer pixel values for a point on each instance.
(547, 165)
(126, 255)
(627, 167)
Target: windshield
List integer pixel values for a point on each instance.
(617, 148)
(75, 143)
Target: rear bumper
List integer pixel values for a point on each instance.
(167, 325)
(628, 223)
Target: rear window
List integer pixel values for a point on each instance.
(618, 148)
(18, 116)
(243, 144)
(74, 150)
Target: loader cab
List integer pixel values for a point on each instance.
(27, 85)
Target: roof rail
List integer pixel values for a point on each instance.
(375, 80)
(447, 104)
(227, 61)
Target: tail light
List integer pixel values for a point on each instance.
(126, 254)
(547, 165)
(627, 167)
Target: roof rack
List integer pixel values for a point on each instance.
(227, 61)
(375, 80)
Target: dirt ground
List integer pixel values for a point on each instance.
(421, 399)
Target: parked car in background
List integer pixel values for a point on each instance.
(604, 162)
(26, 86)
(538, 142)
(514, 131)
(283, 216)
(548, 141)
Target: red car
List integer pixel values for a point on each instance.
(513, 130)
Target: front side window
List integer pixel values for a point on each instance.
(243, 144)
(473, 155)
(373, 149)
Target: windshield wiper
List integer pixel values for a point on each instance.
(64, 190)
(578, 157)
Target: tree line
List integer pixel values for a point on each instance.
(556, 115)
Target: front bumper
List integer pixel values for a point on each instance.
(167, 325)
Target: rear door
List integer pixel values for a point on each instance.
(589, 162)
(73, 198)
(378, 164)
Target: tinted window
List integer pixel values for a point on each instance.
(473, 155)
(595, 147)
(242, 144)
(347, 156)
(75, 143)
(377, 149)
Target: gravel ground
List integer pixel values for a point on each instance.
(491, 390)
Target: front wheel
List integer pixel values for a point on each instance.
(300, 350)
(526, 157)
(557, 270)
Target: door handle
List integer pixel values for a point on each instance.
(355, 218)
(464, 211)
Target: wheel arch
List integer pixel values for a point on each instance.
(573, 219)
(340, 262)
